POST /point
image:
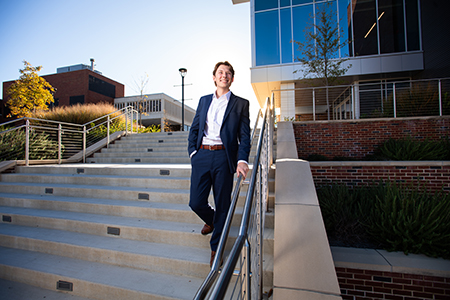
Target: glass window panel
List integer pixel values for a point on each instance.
(265, 4)
(267, 38)
(284, 3)
(391, 22)
(301, 18)
(295, 2)
(345, 26)
(412, 25)
(286, 35)
(364, 27)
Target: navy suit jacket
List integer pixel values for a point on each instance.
(235, 130)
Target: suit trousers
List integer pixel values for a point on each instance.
(210, 170)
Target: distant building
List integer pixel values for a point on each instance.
(395, 40)
(77, 84)
(158, 109)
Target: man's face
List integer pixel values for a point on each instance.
(223, 77)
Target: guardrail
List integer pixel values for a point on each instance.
(30, 140)
(380, 99)
(248, 247)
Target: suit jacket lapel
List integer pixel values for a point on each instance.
(206, 106)
(230, 105)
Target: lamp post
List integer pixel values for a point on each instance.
(183, 72)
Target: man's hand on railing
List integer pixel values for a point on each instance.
(242, 168)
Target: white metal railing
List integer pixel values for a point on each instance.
(376, 99)
(245, 260)
(30, 139)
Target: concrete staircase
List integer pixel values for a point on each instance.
(118, 227)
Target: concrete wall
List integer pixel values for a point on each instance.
(303, 265)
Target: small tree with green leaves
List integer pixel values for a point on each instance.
(30, 92)
(320, 50)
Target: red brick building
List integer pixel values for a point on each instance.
(75, 84)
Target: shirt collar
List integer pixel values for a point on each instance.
(228, 95)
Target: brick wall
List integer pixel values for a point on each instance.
(358, 138)
(435, 175)
(368, 284)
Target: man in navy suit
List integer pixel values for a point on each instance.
(219, 146)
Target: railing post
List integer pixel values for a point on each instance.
(84, 144)
(261, 229)
(27, 142)
(59, 143)
(314, 104)
(440, 98)
(132, 119)
(247, 281)
(126, 121)
(107, 133)
(271, 129)
(395, 103)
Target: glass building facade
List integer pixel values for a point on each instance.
(371, 27)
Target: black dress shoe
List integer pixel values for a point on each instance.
(207, 229)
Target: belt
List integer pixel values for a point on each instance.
(212, 147)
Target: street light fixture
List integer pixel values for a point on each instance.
(183, 72)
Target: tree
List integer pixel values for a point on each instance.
(30, 92)
(321, 49)
(140, 86)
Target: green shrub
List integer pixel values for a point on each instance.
(395, 218)
(77, 114)
(411, 221)
(41, 146)
(411, 149)
(343, 210)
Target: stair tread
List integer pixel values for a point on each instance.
(178, 287)
(110, 243)
(99, 187)
(105, 219)
(21, 291)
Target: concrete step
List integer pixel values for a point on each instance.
(137, 159)
(150, 256)
(92, 279)
(133, 154)
(106, 180)
(179, 196)
(21, 291)
(143, 148)
(162, 170)
(142, 212)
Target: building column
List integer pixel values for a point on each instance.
(287, 101)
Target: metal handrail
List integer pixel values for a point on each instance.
(73, 128)
(226, 273)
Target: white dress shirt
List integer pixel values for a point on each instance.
(214, 119)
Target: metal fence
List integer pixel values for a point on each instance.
(377, 99)
(242, 274)
(36, 140)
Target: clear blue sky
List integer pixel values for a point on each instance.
(131, 38)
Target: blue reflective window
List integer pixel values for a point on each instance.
(286, 35)
(265, 4)
(267, 40)
(284, 3)
(301, 18)
(345, 25)
(295, 2)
